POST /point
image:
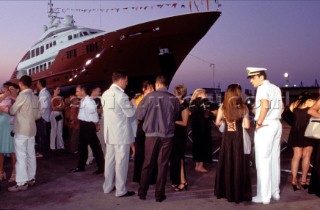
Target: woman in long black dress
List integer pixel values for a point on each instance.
(201, 120)
(314, 187)
(147, 87)
(177, 166)
(233, 173)
(302, 146)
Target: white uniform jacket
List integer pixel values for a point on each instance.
(117, 113)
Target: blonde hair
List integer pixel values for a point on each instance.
(196, 93)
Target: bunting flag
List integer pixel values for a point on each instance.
(195, 4)
(175, 5)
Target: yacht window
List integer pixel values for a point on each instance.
(92, 47)
(32, 53)
(54, 43)
(72, 53)
(41, 67)
(37, 69)
(80, 34)
(74, 36)
(37, 51)
(29, 71)
(50, 44)
(49, 64)
(41, 49)
(45, 66)
(47, 46)
(85, 33)
(93, 32)
(69, 37)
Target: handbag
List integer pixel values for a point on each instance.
(58, 118)
(222, 126)
(246, 140)
(313, 128)
(287, 115)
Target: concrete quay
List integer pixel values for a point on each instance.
(57, 188)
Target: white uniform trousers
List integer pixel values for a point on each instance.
(56, 131)
(267, 155)
(26, 158)
(116, 168)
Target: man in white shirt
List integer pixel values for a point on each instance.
(89, 125)
(267, 137)
(96, 96)
(117, 111)
(43, 124)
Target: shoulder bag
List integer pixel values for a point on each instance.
(313, 128)
(246, 140)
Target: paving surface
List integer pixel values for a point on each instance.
(57, 188)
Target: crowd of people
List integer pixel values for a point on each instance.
(153, 128)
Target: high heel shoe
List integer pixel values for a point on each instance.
(2, 175)
(295, 187)
(304, 185)
(12, 178)
(184, 187)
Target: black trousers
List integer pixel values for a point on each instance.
(43, 135)
(139, 157)
(158, 150)
(88, 136)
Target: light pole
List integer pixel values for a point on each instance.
(212, 65)
(286, 76)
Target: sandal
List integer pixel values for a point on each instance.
(2, 175)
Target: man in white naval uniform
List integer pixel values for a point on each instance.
(268, 109)
(117, 111)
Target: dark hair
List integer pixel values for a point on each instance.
(234, 106)
(43, 82)
(146, 84)
(26, 80)
(263, 73)
(117, 75)
(162, 80)
(84, 88)
(180, 90)
(7, 84)
(93, 88)
(303, 97)
(72, 91)
(15, 86)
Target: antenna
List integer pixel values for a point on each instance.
(52, 13)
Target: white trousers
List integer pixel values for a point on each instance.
(116, 168)
(267, 154)
(26, 158)
(56, 131)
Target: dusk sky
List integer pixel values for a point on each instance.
(282, 36)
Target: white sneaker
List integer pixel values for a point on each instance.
(257, 199)
(266, 202)
(276, 196)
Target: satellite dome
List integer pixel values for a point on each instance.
(68, 20)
